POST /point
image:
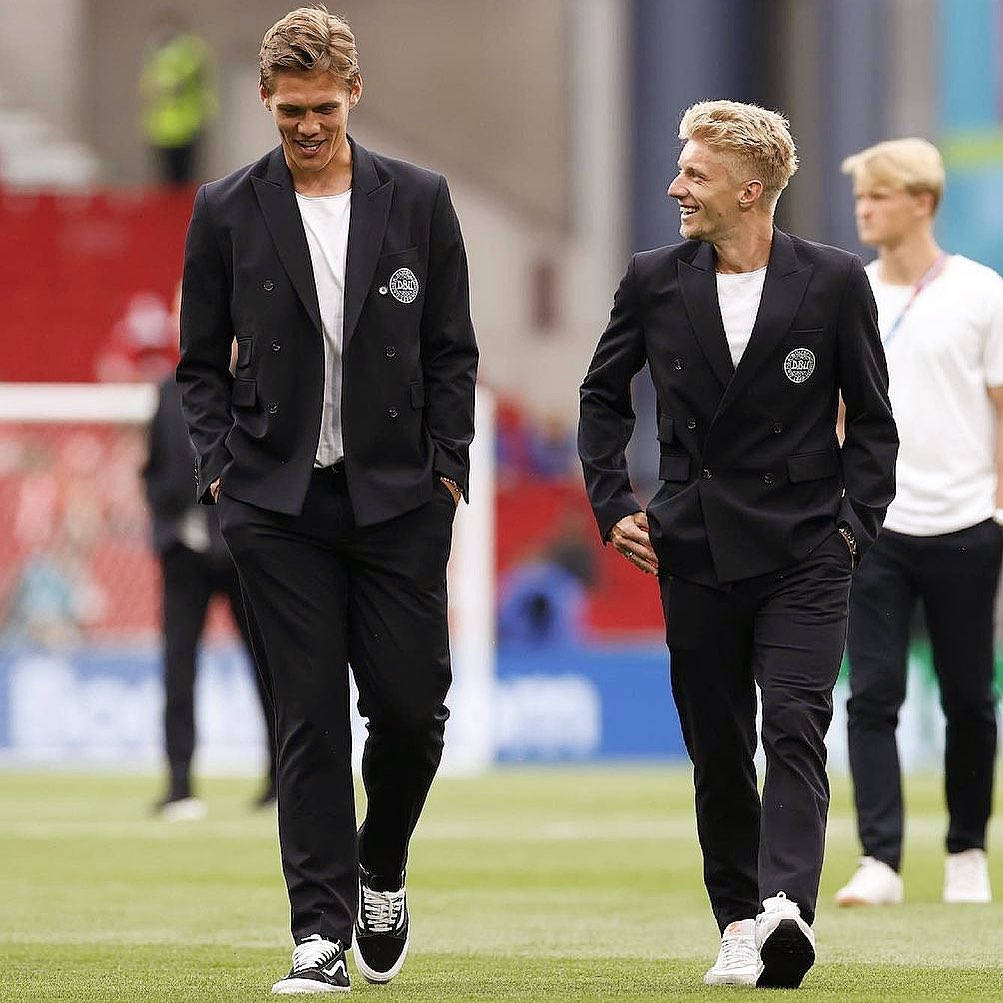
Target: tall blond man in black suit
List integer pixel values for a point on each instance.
(751, 335)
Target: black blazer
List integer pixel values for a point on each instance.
(753, 477)
(409, 364)
(168, 475)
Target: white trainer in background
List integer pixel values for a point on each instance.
(786, 944)
(183, 810)
(738, 961)
(966, 877)
(874, 883)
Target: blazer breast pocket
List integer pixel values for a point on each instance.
(400, 276)
(804, 355)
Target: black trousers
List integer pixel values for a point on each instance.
(955, 575)
(785, 632)
(324, 594)
(190, 580)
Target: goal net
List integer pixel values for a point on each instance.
(80, 594)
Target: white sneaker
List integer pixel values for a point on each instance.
(785, 942)
(182, 810)
(966, 877)
(738, 960)
(318, 967)
(874, 883)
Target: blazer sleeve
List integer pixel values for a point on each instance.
(206, 335)
(871, 442)
(607, 414)
(448, 348)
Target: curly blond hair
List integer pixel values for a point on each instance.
(760, 138)
(309, 39)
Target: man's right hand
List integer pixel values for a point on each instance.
(630, 537)
(214, 488)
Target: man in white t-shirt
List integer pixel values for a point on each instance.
(941, 320)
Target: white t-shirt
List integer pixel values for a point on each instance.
(946, 351)
(738, 295)
(325, 220)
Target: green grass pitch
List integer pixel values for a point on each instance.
(527, 884)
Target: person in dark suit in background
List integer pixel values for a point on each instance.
(750, 335)
(337, 454)
(195, 566)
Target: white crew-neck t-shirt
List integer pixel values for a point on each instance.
(325, 220)
(738, 295)
(946, 351)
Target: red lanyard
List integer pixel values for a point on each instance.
(928, 276)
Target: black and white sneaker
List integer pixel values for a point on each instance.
(318, 967)
(786, 944)
(382, 932)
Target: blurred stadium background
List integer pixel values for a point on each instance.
(555, 122)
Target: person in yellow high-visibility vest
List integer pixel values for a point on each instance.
(178, 100)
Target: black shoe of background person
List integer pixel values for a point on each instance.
(318, 967)
(382, 931)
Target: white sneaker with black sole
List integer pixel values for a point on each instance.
(874, 883)
(318, 967)
(966, 877)
(786, 944)
(738, 961)
(382, 931)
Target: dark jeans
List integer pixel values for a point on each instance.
(785, 632)
(323, 594)
(191, 579)
(955, 575)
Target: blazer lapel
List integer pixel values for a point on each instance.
(277, 199)
(698, 282)
(783, 290)
(371, 198)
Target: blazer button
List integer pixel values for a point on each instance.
(677, 364)
(706, 474)
(767, 479)
(691, 423)
(268, 285)
(276, 346)
(383, 290)
(390, 351)
(777, 428)
(392, 412)
(273, 408)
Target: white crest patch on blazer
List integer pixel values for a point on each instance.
(404, 285)
(799, 364)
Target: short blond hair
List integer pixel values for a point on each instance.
(306, 40)
(759, 137)
(912, 165)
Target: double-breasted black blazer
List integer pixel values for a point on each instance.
(409, 357)
(752, 473)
